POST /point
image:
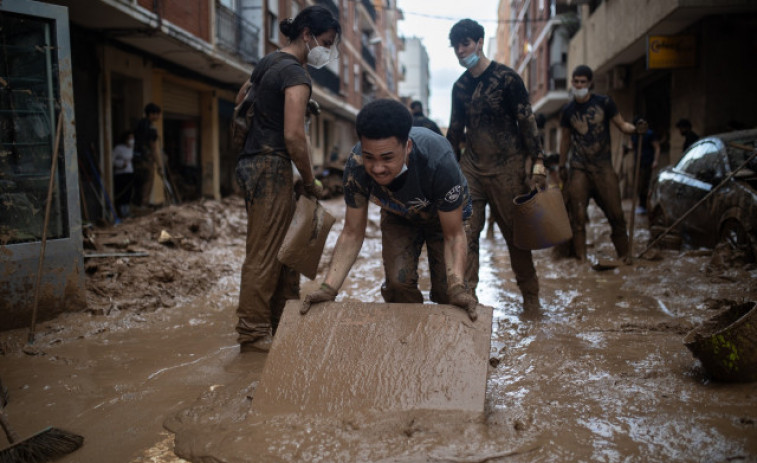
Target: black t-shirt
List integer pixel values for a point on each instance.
(493, 115)
(267, 133)
(419, 120)
(144, 135)
(589, 125)
(433, 181)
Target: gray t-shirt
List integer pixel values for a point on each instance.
(267, 133)
(433, 181)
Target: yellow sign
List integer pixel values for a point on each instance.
(671, 51)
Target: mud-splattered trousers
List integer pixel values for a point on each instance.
(266, 284)
(499, 190)
(596, 180)
(402, 242)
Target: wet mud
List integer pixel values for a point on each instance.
(600, 374)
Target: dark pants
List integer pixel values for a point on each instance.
(266, 284)
(144, 175)
(499, 191)
(600, 182)
(402, 242)
(645, 176)
(123, 185)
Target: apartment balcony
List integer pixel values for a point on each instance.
(368, 5)
(366, 52)
(236, 35)
(326, 78)
(558, 76)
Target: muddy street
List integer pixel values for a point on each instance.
(601, 374)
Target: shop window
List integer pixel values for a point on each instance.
(29, 107)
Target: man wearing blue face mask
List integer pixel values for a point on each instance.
(585, 123)
(492, 120)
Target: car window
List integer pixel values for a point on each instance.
(737, 156)
(703, 162)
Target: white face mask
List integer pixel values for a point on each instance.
(319, 56)
(580, 93)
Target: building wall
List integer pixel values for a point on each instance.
(415, 85)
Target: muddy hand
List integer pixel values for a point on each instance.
(323, 294)
(315, 189)
(538, 182)
(642, 126)
(459, 296)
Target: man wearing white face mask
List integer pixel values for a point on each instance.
(277, 137)
(123, 172)
(585, 125)
(492, 118)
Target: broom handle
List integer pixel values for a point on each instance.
(9, 432)
(48, 205)
(636, 165)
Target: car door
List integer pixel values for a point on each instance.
(701, 168)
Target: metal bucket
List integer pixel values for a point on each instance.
(540, 219)
(726, 344)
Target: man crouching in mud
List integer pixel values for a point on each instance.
(412, 174)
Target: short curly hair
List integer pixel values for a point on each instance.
(384, 118)
(465, 29)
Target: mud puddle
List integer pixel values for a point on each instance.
(600, 375)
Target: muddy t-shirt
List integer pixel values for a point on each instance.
(267, 133)
(589, 125)
(493, 115)
(433, 181)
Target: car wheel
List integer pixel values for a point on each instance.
(735, 236)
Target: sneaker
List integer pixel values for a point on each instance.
(260, 345)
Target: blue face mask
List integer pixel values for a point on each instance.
(470, 60)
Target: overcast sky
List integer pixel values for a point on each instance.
(431, 21)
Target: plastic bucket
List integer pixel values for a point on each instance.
(540, 219)
(726, 344)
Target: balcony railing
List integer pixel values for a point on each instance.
(237, 35)
(558, 76)
(368, 4)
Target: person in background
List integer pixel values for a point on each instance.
(123, 173)
(650, 157)
(277, 138)
(420, 120)
(412, 174)
(689, 136)
(146, 152)
(585, 125)
(493, 133)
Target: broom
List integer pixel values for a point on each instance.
(47, 445)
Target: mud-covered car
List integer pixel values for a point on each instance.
(730, 214)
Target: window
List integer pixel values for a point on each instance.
(703, 162)
(273, 20)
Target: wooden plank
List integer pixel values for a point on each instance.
(350, 356)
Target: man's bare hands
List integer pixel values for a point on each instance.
(460, 297)
(323, 294)
(314, 190)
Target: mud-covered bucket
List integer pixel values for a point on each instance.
(726, 344)
(540, 219)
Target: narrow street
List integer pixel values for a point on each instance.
(601, 375)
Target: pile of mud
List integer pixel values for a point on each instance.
(158, 260)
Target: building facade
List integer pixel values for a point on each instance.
(190, 57)
(415, 86)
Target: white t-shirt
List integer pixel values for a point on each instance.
(122, 156)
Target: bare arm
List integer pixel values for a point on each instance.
(656, 145)
(456, 129)
(347, 245)
(455, 245)
(295, 102)
(625, 127)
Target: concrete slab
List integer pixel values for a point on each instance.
(350, 356)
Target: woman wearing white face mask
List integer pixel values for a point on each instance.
(123, 172)
(277, 138)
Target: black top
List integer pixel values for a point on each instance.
(590, 128)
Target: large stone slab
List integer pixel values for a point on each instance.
(350, 356)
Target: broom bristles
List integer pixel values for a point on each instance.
(47, 445)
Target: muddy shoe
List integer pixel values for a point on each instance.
(261, 345)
